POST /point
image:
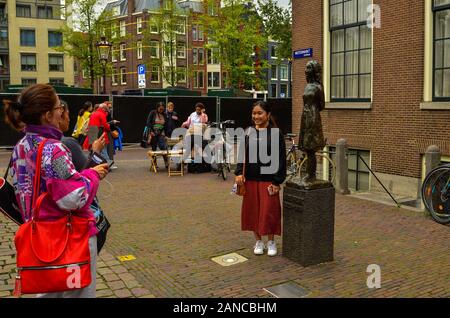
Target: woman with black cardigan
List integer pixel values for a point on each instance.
(261, 208)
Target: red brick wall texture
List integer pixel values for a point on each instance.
(395, 130)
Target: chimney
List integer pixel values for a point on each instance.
(131, 7)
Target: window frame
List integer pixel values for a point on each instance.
(181, 48)
(123, 51)
(54, 32)
(62, 64)
(435, 9)
(139, 25)
(29, 79)
(58, 79)
(35, 62)
(123, 73)
(284, 66)
(152, 72)
(122, 28)
(344, 27)
(139, 50)
(276, 72)
(23, 6)
(153, 47)
(114, 77)
(34, 35)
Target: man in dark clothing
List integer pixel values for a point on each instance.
(172, 120)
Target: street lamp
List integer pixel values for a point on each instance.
(290, 77)
(103, 49)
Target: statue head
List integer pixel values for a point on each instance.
(313, 72)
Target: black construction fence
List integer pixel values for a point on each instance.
(132, 112)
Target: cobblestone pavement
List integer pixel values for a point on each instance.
(174, 226)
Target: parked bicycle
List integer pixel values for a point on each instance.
(296, 161)
(221, 158)
(436, 193)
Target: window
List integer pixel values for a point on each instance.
(27, 38)
(4, 38)
(44, 12)
(56, 81)
(28, 81)
(273, 90)
(115, 30)
(199, 79)
(114, 77)
(55, 63)
(441, 68)
(85, 73)
(284, 72)
(23, 11)
(154, 27)
(274, 72)
(139, 49)
(181, 50)
(214, 79)
(181, 75)
(154, 49)
(139, 25)
(358, 174)
(351, 50)
(28, 62)
(212, 9)
(195, 56)
(213, 55)
(168, 49)
(123, 52)
(201, 56)
(273, 51)
(123, 76)
(154, 75)
(197, 33)
(54, 38)
(123, 30)
(114, 52)
(283, 91)
(180, 27)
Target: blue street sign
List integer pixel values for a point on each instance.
(141, 69)
(299, 54)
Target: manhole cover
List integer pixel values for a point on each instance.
(229, 259)
(287, 290)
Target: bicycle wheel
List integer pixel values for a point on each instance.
(291, 164)
(436, 194)
(319, 172)
(428, 183)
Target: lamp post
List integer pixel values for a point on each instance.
(290, 77)
(103, 49)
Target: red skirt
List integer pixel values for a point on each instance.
(261, 212)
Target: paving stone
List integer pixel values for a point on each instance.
(119, 269)
(140, 292)
(104, 293)
(111, 277)
(123, 293)
(116, 285)
(101, 286)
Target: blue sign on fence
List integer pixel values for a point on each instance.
(299, 54)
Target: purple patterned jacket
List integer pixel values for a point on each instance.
(68, 189)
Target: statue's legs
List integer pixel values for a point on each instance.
(311, 166)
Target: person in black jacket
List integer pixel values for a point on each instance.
(261, 208)
(172, 120)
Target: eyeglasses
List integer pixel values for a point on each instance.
(60, 107)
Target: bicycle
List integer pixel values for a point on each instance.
(223, 166)
(436, 193)
(296, 164)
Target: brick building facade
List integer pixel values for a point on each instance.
(387, 87)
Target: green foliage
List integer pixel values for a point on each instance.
(79, 40)
(237, 32)
(278, 26)
(170, 23)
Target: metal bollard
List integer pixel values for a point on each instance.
(342, 167)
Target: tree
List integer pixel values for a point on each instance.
(80, 38)
(169, 22)
(238, 35)
(278, 26)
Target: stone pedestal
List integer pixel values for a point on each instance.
(308, 223)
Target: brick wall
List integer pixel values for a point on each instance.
(395, 130)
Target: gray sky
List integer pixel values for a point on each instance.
(284, 2)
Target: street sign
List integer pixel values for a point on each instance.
(299, 54)
(141, 76)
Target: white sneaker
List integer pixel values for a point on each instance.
(114, 167)
(271, 248)
(259, 248)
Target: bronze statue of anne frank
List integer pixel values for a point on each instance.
(311, 134)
